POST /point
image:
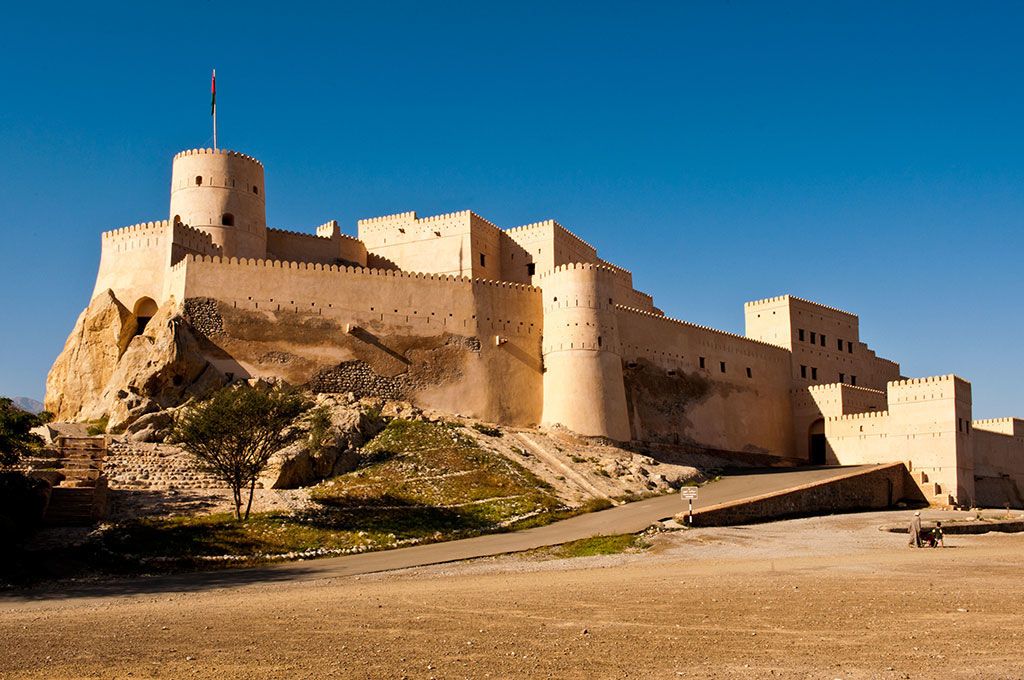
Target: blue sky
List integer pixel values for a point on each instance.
(865, 155)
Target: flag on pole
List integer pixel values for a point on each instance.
(213, 93)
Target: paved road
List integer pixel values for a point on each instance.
(628, 518)
(624, 519)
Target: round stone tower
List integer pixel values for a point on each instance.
(222, 193)
(583, 383)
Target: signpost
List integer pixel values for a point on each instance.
(690, 494)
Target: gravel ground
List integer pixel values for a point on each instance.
(814, 598)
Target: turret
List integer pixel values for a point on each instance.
(583, 385)
(222, 193)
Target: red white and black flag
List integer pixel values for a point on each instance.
(213, 93)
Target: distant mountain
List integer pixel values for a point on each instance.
(26, 404)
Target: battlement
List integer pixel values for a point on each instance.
(641, 312)
(135, 230)
(932, 380)
(525, 229)
(409, 216)
(1010, 420)
(576, 266)
(823, 387)
(863, 415)
(344, 269)
(793, 298)
(216, 152)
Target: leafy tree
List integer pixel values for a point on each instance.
(234, 433)
(16, 440)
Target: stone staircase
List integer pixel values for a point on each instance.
(80, 498)
(158, 467)
(933, 490)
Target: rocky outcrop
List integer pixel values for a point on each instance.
(306, 462)
(80, 375)
(109, 370)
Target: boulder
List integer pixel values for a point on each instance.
(303, 465)
(151, 427)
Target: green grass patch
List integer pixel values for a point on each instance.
(600, 545)
(417, 482)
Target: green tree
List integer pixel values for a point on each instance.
(16, 440)
(234, 433)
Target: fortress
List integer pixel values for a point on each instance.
(527, 326)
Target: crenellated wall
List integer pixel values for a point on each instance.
(502, 379)
(583, 385)
(221, 192)
(327, 246)
(927, 425)
(693, 384)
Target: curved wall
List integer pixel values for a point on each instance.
(583, 387)
(208, 185)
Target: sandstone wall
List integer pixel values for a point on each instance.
(327, 246)
(694, 384)
(998, 447)
(467, 346)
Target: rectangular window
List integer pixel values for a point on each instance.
(721, 365)
(814, 373)
(750, 373)
(853, 380)
(823, 341)
(803, 371)
(814, 337)
(839, 344)
(531, 269)
(702, 362)
(800, 333)
(483, 260)
(849, 347)
(842, 377)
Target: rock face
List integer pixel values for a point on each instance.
(352, 424)
(108, 369)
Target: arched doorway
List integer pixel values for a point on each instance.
(816, 442)
(144, 310)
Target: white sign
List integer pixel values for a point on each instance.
(688, 493)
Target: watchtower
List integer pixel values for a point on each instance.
(222, 193)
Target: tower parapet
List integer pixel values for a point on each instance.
(222, 193)
(583, 385)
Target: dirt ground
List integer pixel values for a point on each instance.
(812, 598)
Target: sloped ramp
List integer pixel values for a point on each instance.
(864, 487)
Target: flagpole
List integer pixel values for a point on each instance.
(213, 92)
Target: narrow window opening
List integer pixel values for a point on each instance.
(814, 373)
(531, 268)
(199, 180)
(227, 219)
(849, 347)
(814, 337)
(599, 341)
(255, 189)
(750, 373)
(702, 362)
(803, 371)
(839, 344)
(823, 341)
(483, 260)
(853, 380)
(842, 377)
(800, 333)
(721, 365)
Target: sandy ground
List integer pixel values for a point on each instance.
(815, 598)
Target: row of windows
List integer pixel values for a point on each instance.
(227, 182)
(721, 366)
(963, 425)
(820, 338)
(812, 373)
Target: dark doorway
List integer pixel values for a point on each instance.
(816, 443)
